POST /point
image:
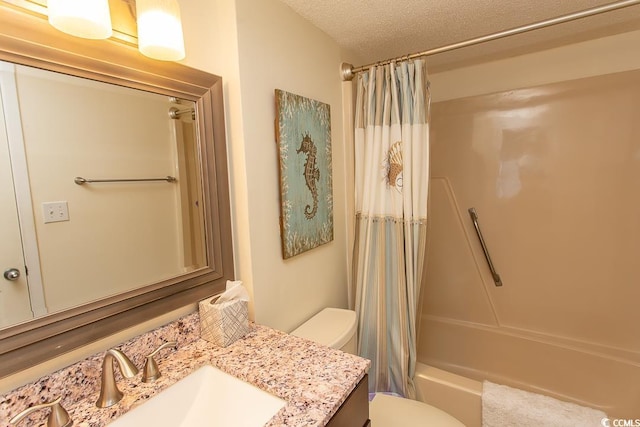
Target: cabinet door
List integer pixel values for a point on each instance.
(354, 412)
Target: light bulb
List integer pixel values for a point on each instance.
(160, 29)
(89, 19)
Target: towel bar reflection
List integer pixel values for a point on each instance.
(494, 273)
(81, 181)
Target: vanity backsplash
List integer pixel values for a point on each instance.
(82, 379)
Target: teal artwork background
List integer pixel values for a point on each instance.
(298, 116)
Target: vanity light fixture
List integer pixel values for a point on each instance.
(89, 19)
(159, 25)
(160, 29)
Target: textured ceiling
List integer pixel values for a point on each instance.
(376, 30)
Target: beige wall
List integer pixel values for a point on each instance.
(552, 170)
(280, 50)
(260, 47)
(591, 58)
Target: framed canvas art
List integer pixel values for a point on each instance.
(303, 136)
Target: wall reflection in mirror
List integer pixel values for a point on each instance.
(71, 244)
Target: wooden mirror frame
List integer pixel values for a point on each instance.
(28, 39)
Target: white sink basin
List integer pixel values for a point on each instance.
(206, 397)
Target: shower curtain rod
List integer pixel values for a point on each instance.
(348, 71)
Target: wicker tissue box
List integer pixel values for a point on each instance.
(224, 323)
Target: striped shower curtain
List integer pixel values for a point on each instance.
(392, 176)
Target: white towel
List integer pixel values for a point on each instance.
(504, 406)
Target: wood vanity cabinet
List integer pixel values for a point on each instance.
(354, 412)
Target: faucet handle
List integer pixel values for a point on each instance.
(59, 417)
(151, 371)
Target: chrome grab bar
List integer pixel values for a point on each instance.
(494, 273)
(80, 180)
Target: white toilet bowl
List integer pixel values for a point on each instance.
(336, 328)
(391, 411)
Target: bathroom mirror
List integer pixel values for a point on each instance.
(180, 244)
(109, 188)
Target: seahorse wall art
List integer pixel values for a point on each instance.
(311, 173)
(303, 137)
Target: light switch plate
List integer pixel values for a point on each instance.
(55, 211)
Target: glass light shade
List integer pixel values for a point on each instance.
(160, 29)
(89, 19)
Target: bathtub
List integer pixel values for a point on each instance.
(459, 396)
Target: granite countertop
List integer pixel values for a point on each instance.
(314, 380)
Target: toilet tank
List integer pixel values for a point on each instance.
(333, 327)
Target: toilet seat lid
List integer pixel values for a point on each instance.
(333, 327)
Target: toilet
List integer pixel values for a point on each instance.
(333, 327)
(336, 328)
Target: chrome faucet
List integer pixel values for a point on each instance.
(109, 392)
(58, 417)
